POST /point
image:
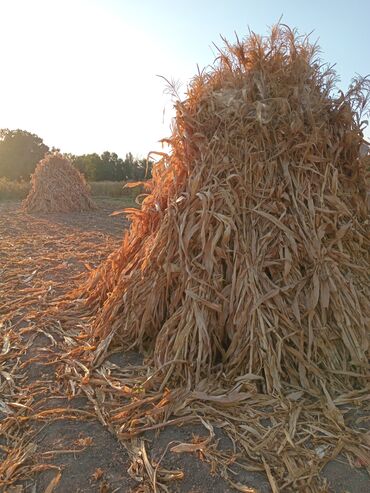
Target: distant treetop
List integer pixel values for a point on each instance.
(20, 151)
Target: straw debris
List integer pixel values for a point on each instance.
(57, 186)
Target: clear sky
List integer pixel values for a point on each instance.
(82, 74)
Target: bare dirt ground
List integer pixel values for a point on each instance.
(53, 443)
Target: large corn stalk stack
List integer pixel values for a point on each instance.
(249, 259)
(57, 186)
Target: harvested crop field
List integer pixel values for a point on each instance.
(52, 437)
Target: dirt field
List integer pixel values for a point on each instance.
(52, 443)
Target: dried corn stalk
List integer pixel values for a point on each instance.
(251, 249)
(249, 259)
(57, 186)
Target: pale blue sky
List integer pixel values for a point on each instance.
(82, 74)
(341, 26)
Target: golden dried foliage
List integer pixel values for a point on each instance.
(251, 250)
(249, 263)
(57, 186)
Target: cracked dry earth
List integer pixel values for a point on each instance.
(51, 443)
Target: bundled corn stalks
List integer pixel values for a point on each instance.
(249, 261)
(57, 186)
(251, 251)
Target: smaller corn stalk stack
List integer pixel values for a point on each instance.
(57, 186)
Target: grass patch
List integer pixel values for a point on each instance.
(117, 203)
(106, 188)
(113, 189)
(18, 190)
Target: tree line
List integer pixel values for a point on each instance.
(108, 166)
(20, 151)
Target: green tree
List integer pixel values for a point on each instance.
(112, 166)
(145, 167)
(20, 151)
(88, 165)
(109, 166)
